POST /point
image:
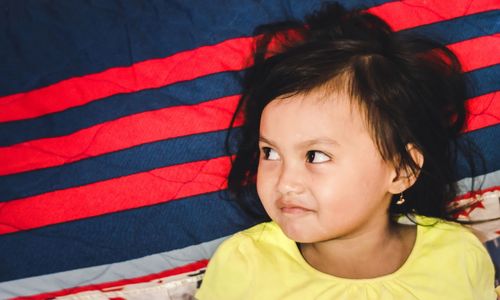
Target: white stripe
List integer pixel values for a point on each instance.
(108, 273)
(480, 182)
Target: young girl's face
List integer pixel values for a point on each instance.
(320, 174)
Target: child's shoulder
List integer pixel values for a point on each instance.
(256, 238)
(448, 234)
(237, 262)
(443, 227)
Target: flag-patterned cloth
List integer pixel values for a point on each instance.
(113, 116)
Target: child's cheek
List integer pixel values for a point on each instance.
(267, 175)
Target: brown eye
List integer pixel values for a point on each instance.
(269, 153)
(316, 157)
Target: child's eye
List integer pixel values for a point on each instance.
(316, 157)
(270, 154)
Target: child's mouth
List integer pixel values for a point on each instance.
(294, 210)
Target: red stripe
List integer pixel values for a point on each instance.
(128, 192)
(226, 56)
(477, 193)
(478, 53)
(56, 151)
(412, 13)
(99, 198)
(110, 136)
(155, 126)
(108, 286)
(465, 211)
(483, 111)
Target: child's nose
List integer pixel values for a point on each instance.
(290, 180)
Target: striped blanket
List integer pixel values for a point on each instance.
(113, 116)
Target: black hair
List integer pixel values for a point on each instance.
(411, 90)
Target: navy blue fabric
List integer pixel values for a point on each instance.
(63, 39)
(180, 150)
(487, 141)
(120, 236)
(183, 93)
(95, 33)
(111, 108)
(46, 41)
(484, 81)
(115, 164)
(460, 29)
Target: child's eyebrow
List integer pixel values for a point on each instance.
(322, 140)
(307, 143)
(263, 139)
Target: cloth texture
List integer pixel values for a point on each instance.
(113, 119)
(447, 262)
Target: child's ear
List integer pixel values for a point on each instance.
(406, 177)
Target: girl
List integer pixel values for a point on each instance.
(348, 128)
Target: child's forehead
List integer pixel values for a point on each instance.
(318, 100)
(323, 111)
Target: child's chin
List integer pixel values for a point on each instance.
(297, 233)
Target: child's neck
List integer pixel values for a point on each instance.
(379, 251)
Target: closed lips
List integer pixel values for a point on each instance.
(294, 209)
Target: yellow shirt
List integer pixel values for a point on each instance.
(447, 262)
